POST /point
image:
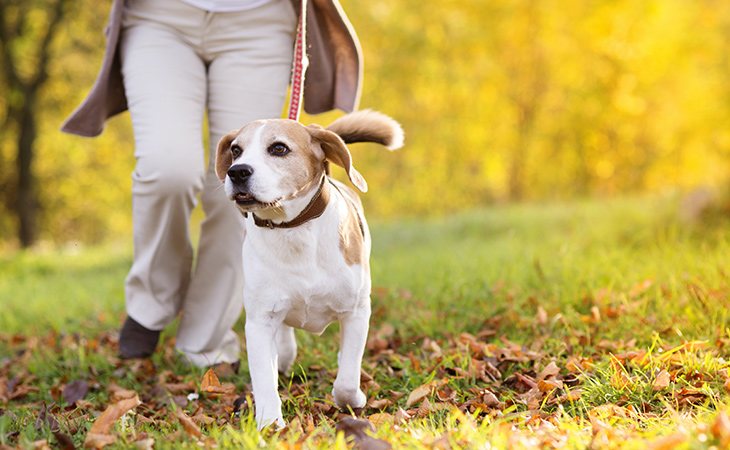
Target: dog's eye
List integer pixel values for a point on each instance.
(278, 149)
(236, 150)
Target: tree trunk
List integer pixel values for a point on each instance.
(25, 203)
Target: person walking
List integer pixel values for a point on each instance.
(171, 63)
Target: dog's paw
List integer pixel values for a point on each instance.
(352, 398)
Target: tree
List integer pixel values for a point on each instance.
(27, 30)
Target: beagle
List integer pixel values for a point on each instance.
(307, 246)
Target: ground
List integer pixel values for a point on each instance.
(595, 324)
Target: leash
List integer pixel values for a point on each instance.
(299, 65)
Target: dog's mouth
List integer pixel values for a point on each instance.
(245, 199)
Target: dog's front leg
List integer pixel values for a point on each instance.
(262, 364)
(353, 336)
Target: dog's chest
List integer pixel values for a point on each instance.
(302, 280)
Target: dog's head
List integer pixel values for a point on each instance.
(270, 161)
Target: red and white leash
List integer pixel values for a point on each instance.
(299, 65)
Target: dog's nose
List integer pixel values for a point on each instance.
(240, 173)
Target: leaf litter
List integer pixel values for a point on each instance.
(469, 377)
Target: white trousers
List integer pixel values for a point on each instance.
(179, 62)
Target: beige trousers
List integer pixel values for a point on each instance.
(179, 62)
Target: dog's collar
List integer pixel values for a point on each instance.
(314, 209)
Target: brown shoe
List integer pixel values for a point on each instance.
(136, 341)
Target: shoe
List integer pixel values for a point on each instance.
(136, 341)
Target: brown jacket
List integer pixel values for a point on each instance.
(333, 78)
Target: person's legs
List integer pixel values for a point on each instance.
(165, 85)
(247, 80)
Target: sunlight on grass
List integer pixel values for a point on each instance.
(561, 325)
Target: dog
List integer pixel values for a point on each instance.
(307, 245)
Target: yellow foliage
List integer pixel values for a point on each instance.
(505, 100)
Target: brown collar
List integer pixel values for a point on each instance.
(314, 209)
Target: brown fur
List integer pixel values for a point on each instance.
(336, 151)
(223, 157)
(368, 126)
(302, 163)
(351, 233)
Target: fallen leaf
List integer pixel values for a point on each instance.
(210, 381)
(661, 381)
(424, 409)
(41, 445)
(98, 436)
(379, 419)
(541, 317)
(402, 416)
(187, 423)
(549, 385)
(202, 419)
(668, 442)
(380, 403)
(179, 388)
(419, 394)
(64, 441)
(489, 399)
(96, 440)
(721, 429)
(550, 371)
(75, 391)
(3, 389)
(118, 393)
(145, 444)
(357, 430)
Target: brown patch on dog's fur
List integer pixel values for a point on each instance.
(302, 164)
(351, 234)
(223, 157)
(368, 126)
(336, 151)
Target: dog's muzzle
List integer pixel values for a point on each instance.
(240, 175)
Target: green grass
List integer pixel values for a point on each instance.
(621, 285)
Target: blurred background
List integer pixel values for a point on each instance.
(502, 101)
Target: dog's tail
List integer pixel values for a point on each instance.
(369, 126)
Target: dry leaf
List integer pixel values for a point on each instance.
(64, 441)
(145, 444)
(425, 408)
(402, 416)
(75, 391)
(661, 381)
(210, 381)
(541, 317)
(98, 435)
(41, 445)
(489, 399)
(549, 385)
(118, 393)
(721, 429)
(379, 419)
(380, 403)
(356, 429)
(549, 371)
(620, 380)
(419, 394)
(97, 440)
(668, 442)
(190, 427)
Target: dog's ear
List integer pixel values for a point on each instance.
(335, 150)
(223, 157)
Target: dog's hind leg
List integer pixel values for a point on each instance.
(353, 335)
(286, 347)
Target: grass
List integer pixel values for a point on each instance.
(613, 292)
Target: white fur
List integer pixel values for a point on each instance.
(298, 278)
